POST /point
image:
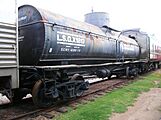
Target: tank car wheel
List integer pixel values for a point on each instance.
(78, 77)
(136, 72)
(156, 66)
(118, 76)
(128, 72)
(38, 95)
(109, 77)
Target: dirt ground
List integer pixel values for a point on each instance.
(147, 107)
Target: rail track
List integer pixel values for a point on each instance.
(25, 109)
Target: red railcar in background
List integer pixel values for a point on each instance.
(155, 51)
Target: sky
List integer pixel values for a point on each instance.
(9, 12)
(124, 14)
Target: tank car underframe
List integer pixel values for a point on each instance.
(48, 84)
(51, 83)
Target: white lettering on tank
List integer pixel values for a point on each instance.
(50, 50)
(70, 39)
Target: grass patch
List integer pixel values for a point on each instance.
(116, 101)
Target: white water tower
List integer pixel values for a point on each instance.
(97, 18)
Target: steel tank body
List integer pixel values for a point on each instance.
(46, 37)
(129, 48)
(150, 46)
(142, 39)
